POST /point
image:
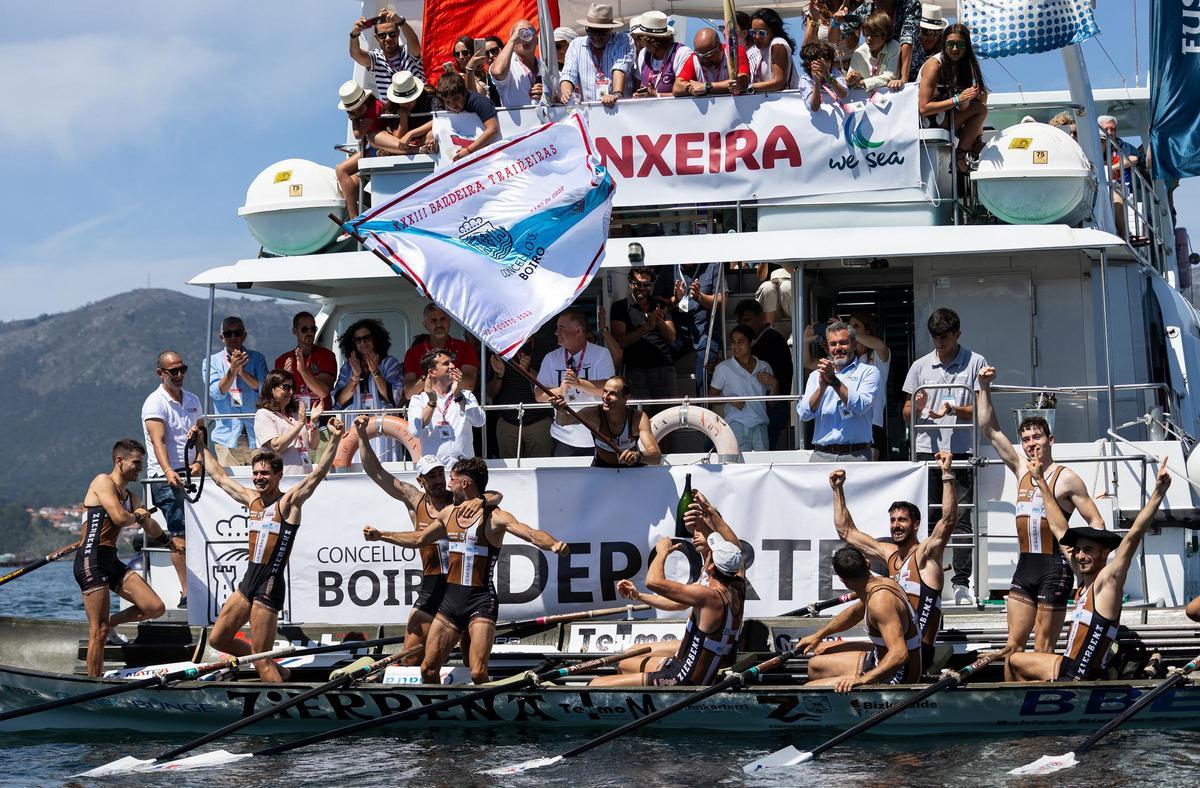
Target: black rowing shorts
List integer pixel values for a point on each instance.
(98, 568)
(433, 591)
(899, 677)
(262, 586)
(1043, 580)
(463, 604)
(671, 674)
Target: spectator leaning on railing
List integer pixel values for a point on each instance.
(597, 64)
(517, 70)
(745, 375)
(928, 43)
(876, 63)
(399, 49)
(443, 413)
(659, 64)
(234, 375)
(168, 416)
(770, 56)
(285, 424)
(706, 72)
(364, 111)
(313, 368)
(412, 107)
(820, 82)
(953, 93)
(839, 397)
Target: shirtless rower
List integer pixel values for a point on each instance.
(423, 504)
(469, 605)
(895, 654)
(1042, 581)
(626, 427)
(915, 565)
(1103, 558)
(274, 519)
(111, 507)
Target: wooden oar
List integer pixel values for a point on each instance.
(1048, 764)
(790, 756)
(823, 604)
(221, 757)
(355, 672)
(38, 564)
(732, 681)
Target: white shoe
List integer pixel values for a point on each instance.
(962, 596)
(115, 638)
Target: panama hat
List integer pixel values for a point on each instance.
(931, 17)
(404, 88)
(600, 15)
(565, 34)
(655, 25)
(351, 96)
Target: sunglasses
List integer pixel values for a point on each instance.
(306, 329)
(175, 372)
(758, 33)
(461, 53)
(382, 36)
(360, 338)
(955, 45)
(709, 53)
(492, 51)
(286, 386)
(233, 333)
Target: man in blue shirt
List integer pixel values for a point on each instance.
(234, 374)
(839, 396)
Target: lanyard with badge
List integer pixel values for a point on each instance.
(578, 365)
(235, 391)
(444, 429)
(602, 81)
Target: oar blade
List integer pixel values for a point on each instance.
(205, 760)
(126, 765)
(527, 766)
(1047, 764)
(788, 756)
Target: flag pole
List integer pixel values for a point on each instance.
(353, 231)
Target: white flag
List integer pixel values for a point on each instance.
(506, 238)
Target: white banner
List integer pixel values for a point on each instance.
(506, 238)
(672, 151)
(612, 519)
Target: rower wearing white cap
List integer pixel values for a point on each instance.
(424, 503)
(1103, 558)
(710, 641)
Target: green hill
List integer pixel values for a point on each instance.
(75, 381)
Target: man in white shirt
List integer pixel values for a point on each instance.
(442, 414)
(516, 71)
(169, 415)
(576, 371)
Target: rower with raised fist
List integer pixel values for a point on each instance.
(111, 507)
(474, 536)
(274, 520)
(424, 503)
(1103, 558)
(1042, 580)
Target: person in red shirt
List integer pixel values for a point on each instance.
(313, 367)
(706, 72)
(466, 358)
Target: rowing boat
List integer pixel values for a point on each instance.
(200, 706)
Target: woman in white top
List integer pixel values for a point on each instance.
(282, 425)
(876, 63)
(744, 375)
(872, 350)
(771, 64)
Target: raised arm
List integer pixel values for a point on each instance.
(990, 426)
(357, 53)
(1118, 562)
(690, 594)
(704, 517)
(846, 529)
(243, 495)
(935, 545)
(308, 485)
(401, 491)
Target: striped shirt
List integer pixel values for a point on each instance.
(382, 68)
(580, 66)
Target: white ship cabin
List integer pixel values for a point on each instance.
(1063, 297)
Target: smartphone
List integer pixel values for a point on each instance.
(479, 42)
(448, 67)
(373, 21)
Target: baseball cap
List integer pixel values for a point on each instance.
(726, 556)
(428, 463)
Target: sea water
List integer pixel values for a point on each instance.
(452, 758)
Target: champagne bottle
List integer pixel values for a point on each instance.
(685, 501)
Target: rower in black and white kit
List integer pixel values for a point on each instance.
(424, 503)
(1042, 581)
(624, 426)
(1103, 558)
(916, 565)
(274, 519)
(710, 640)
(111, 507)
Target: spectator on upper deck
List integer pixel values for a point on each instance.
(234, 375)
(644, 327)
(745, 375)
(848, 19)
(659, 64)
(870, 349)
(453, 96)
(820, 81)
(369, 379)
(442, 413)
(598, 64)
(576, 371)
(462, 353)
(775, 289)
(412, 106)
(905, 16)
(563, 36)
(529, 432)
(696, 297)
(770, 346)
(1123, 158)
(364, 111)
(953, 92)
(876, 63)
(516, 70)
(468, 64)
(1065, 121)
(313, 368)
(928, 43)
(285, 424)
(840, 397)
(706, 72)
(399, 49)
(770, 57)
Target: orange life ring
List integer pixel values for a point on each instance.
(390, 426)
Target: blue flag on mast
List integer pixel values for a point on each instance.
(1174, 88)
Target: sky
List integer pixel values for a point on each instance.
(131, 130)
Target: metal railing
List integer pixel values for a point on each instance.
(1140, 217)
